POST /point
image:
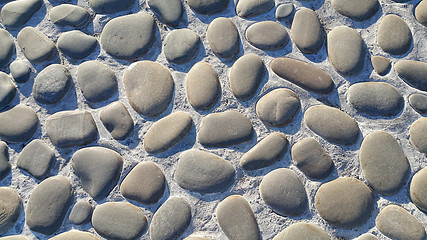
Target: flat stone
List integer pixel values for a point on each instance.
(48, 205)
(344, 202)
(20, 71)
(36, 46)
(278, 107)
(283, 192)
(332, 124)
(301, 231)
(7, 90)
(76, 44)
(345, 50)
(367, 236)
(381, 65)
(203, 87)
(149, 87)
(225, 129)
(246, 75)
(417, 136)
(266, 152)
(208, 7)
(4, 160)
(18, 124)
(417, 189)
(397, 223)
(165, 225)
(98, 169)
(181, 45)
(69, 15)
(418, 102)
(360, 10)
(236, 219)
(375, 98)
(15, 14)
(117, 120)
(110, 6)
(303, 74)
(81, 213)
(267, 35)
(203, 172)
(167, 131)
(421, 12)
(37, 158)
(71, 128)
(252, 8)
(413, 73)
(223, 37)
(74, 234)
(307, 32)
(145, 183)
(7, 48)
(11, 206)
(311, 158)
(119, 220)
(129, 36)
(52, 84)
(170, 11)
(284, 10)
(97, 81)
(394, 35)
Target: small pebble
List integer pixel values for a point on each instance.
(418, 102)
(97, 81)
(267, 35)
(81, 213)
(36, 46)
(76, 44)
(117, 120)
(20, 71)
(278, 107)
(110, 6)
(170, 11)
(284, 10)
(7, 90)
(69, 15)
(417, 135)
(181, 45)
(223, 37)
(307, 31)
(11, 206)
(394, 35)
(359, 10)
(413, 73)
(18, 124)
(203, 87)
(367, 236)
(74, 234)
(7, 48)
(421, 12)
(4, 160)
(246, 75)
(208, 7)
(52, 84)
(381, 65)
(252, 8)
(302, 231)
(417, 189)
(37, 158)
(15, 14)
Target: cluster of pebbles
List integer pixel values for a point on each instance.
(81, 179)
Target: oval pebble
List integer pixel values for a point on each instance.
(417, 135)
(76, 44)
(208, 7)
(7, 90)
(246, 75)
(181, 45)
(418, 102)
(20, 71)
(203, 87)
(145, 183)
(69, 15)
(4, 160)
(7, 48)
(381, 65)
(367, 236)
(421, 12)
(303, 74)
(267, 35)
(10, 208)
(284, 10)
(74, 234)
(307, 32)
(360, 10)
(97, 81)
(417, 189)
(278, 107)
(203, 172)
(344, 202)
(283, 192)
(36, 46)
(18, 124)
(302, 231)
(394, 35)
(51, 84)
(149, 87)
(81, 213)
(413, 73)
(236, 219)
(37, 158)
(265, 152)
(223, 37)
(170, 11)
(117, 120)
(119, 220)
(164, 225)
(332, 124)
(48, 205)
(252, 8)
(15, 14)
(110, 6)
(98, 169)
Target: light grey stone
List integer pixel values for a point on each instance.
(367, 236)
(15, 14)
(36, 46)
(110, 6)
(18, 124)
(37, 158)
(417, 135)
(421, 12)
(284, 10)
(252, 8)
(413, 73)
(381, 65)
(13, 237)
(181, 45)
(197, 238)
(203, 87)
(7, 90)
(69, 15)
(223, 37)
(7, 48)
(170, 11)
(307, 32)
(117, 120)
(76, 44)
(74, 235)
(394, 35)
(4, 160)
(81, 213)
(246, 75)
(97, 81)
(278, 107)
(418, 102)
(302, 231)
(20, 71)
(11, 206)
(267, 35)
(208, 7)
(417, 189)
(51, 84)
(359, 10)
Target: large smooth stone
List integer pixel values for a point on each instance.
(145, 183)
(76, 44)
(97, 81)
(332, 124)
(421, 12)
(252, 8)
(71, 128)
(170, 11)
(98, 169)
(74, 235)
(4, 160)
(37, 158)
(20, 71)
(15, 14)
(203, 87)
(223, 37)
(246, 75)
(397, 223)
(418, 102)
(10, 208)
(359, 10)
(267, 35)
(167, 131)
(117, 120)
(129, 36)
(149, 87)
(266, 152)
(36, 46)
(278, 107)
(417, 135)
(164, 225)
(394, 35)
(48, 205)
(18, 124)
(7, 90)
(345, 50)
(283, 192)
(381, 65)
(52, 84)
(236, 219)
(344, 202)
(208, 7)
(7, 48)
(302, 231)
(119, 220)
(303, 74)
(110, 6)
(307, 32)
(203, 172)
(417, 189)
(413, 73)
(225, 129)
(69, 15)
(181, 45)
(81, 213)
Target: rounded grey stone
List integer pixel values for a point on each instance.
(203, 87)
(81, 213)
(417, 135)
(7, 90)
(413, 73)
(20, 71)
(164, 225)
(15, 14)
(10, 208)
(145, 183)
(418, 102)
(236, 219)
(394, 35)
(360, 10)
(284, 10)
(307, 32)
(170, 11)
(74, 234)
(36, 46)
(267, 35)
(252, 8)
(76, 44)
(97, 81)
(381, 65)
(48, 205)
(223, 37)
(7, 48)
(421, 12)
(278, 107)
(110, 6)
(181, 45)
(117, 120)
(119, 220)
(344, 202)
(37, 158)
(51, 84)
(149, 87)
(417, 189)
(203, 172)
(246, 75)
(302, 231)
(18, 124)
(69, 15)
(367, 236)
(98, 169)
(266, 152)
(208, 7)
(4, 160)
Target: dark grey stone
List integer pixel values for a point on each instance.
(117, 120)
(246, 75)
(36, 46)
(69, 15)
(302, 231)
(307, 31)
(252, 8)
(15, 14)
(97, 81)
(81, 213)
(394, 35)
(359, 10)
(267, 35)
(278, 107)
(208, 7)
(110, 6)
(4, 160)
(51, 84)
(37, 158)
(417, 189)
(181, 45)
(18, 124)
(413, 73)
(20, 71)
(11, 206)
(7, 90)
(202, 85)
(170, 11)
(7, 48)
(418, 102)
(76, 44)
(223, 37)
(417, 135)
